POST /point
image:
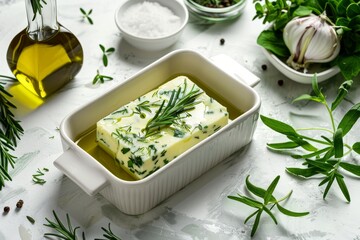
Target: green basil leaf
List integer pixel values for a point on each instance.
(278, 126)
(342, 6)
(343, 91)
(284, 145)
(349, 119)
(354, 169)
(302, 11)
(356, 147)
(270, 190)
(303, 172)
(338, 143)
(342, 185)
(260, 192)
(291, 213)
(353, 10)
(273, 41)
(349, 65)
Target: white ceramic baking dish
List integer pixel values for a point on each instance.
(138, 196)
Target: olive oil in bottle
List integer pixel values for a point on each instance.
(45, 55)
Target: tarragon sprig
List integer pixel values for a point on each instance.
(269, 202)
(168, 113)
(323, 155)
(10, 132)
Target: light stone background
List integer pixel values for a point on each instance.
(201, 210)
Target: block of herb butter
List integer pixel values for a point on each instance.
(151, 131)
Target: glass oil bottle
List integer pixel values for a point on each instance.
(45, 55)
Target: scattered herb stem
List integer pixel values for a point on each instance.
(37, 177)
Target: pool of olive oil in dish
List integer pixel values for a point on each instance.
(45, 66)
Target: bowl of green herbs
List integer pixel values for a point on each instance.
(215, 10)
(311, 36)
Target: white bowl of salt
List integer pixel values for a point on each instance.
(151, 25)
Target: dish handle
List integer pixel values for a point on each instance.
(88, 177)
(236, 70)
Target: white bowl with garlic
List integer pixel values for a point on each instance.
(151, 25)
(313, 44)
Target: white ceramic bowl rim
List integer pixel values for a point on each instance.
(182, 26)
(216, 10)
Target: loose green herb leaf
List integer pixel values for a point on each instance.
(31, 220)
(106, 52)
(343, 91)
(10, 132)
(269, 201)
(179, 102)
(37, 6)
(108, 234)
(86, 15)
(100, 78)
(37, 177)
(63, 232)
(320, 160)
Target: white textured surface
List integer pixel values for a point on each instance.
(201, 210)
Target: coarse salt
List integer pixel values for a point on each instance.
(150, 20)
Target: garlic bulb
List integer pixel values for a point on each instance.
(310, 39)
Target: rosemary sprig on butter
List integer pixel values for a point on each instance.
(179, 102)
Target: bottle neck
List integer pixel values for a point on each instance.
(42, 25)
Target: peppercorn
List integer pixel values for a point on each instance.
(264, 67)
(280, 82)
(6, 209)
(20, 203)
(222, 41)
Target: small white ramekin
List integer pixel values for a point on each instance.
(148, 43)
